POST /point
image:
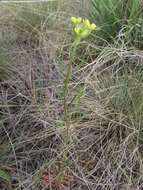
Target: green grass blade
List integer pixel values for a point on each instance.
(5, 176)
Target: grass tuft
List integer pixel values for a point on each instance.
(122, 19)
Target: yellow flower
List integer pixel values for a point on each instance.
(77, 30)
(93, 26)
(79, 20)
(76, 20)
(82, 27)
(87, 23)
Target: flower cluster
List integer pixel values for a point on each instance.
(82, 27)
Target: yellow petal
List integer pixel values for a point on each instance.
(79, 20)
(77, 30)
(76, 20)
(73, 20)
(87, 23)
(92, 26)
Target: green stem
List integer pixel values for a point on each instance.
(66, 134)
(66, 92)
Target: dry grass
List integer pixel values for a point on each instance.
(105, 103)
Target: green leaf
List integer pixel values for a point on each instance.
(5, 176)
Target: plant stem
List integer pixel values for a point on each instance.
(66, 93)
(66, 90)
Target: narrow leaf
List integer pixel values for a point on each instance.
(5, 176)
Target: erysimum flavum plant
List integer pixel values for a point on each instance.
(82, 28)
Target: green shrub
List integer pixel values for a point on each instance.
(119, 19)
(122, 95)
